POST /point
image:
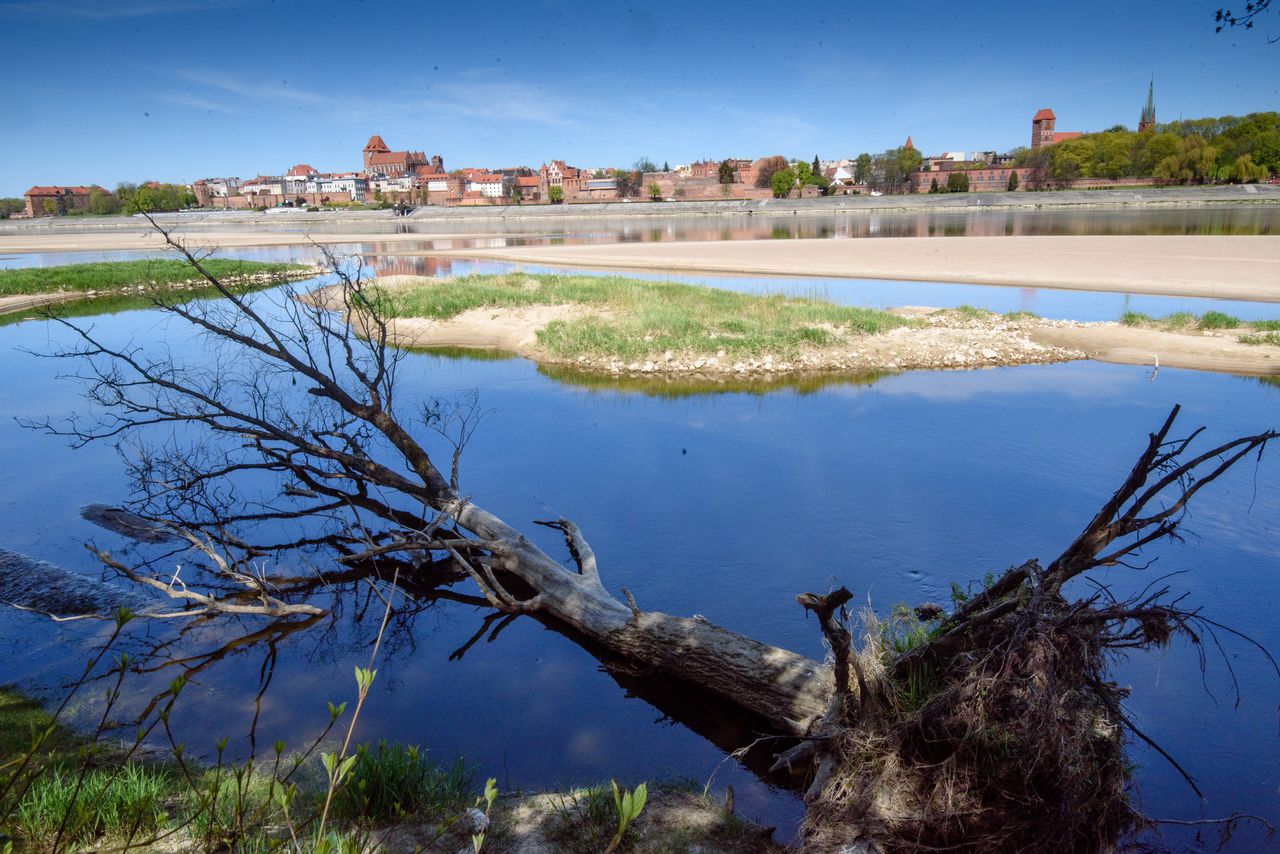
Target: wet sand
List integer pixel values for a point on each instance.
(1220, 267)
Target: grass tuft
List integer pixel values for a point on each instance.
(1134, 318)
(1265, 325)
(1270, 339)
(393, 780)
(1218, 320)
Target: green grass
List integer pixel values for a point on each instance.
(1218, 320)
(392, 780)
(1186, 320)
(1265, 325)
(116, 275)
(640, 318)
(1020, 315)
(118, 803)
(1271, 339)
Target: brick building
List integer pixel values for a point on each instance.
(379, 159)
(56, 201)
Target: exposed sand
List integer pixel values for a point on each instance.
(1223, 267)
(1212, 351)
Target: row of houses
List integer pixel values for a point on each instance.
(410, 177)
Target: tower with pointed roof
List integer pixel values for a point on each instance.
(1148, 119)
(909, 146)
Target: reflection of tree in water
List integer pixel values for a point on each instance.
(680, 385)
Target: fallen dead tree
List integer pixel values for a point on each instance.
(989, 725)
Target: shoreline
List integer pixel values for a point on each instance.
(17, 303)
(1219, 267)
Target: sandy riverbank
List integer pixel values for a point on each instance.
(1224, 267)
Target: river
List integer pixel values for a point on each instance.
(899, 485)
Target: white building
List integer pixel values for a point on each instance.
(490, 186)
(400, 183)
(351, 184)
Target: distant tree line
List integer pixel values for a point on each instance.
(1195, 151)
(152, 196)
(9, 207)
(890, 171)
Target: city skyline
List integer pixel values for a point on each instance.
(176, 92)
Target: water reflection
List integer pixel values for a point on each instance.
(677, 386)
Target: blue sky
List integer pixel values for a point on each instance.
(102, 91)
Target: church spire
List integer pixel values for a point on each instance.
(1148, 120)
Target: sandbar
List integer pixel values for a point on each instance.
(1217, 267)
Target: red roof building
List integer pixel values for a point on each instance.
(379, 159)
(56, 201)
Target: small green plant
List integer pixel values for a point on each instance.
(1265, 325)
(1021, 315)
(1134, 318)
(630, 805)
(1180, 320)
(490, 795)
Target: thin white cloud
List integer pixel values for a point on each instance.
(482, 94)
(254, 90)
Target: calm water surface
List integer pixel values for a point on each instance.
(900, 484)
(905, 484)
